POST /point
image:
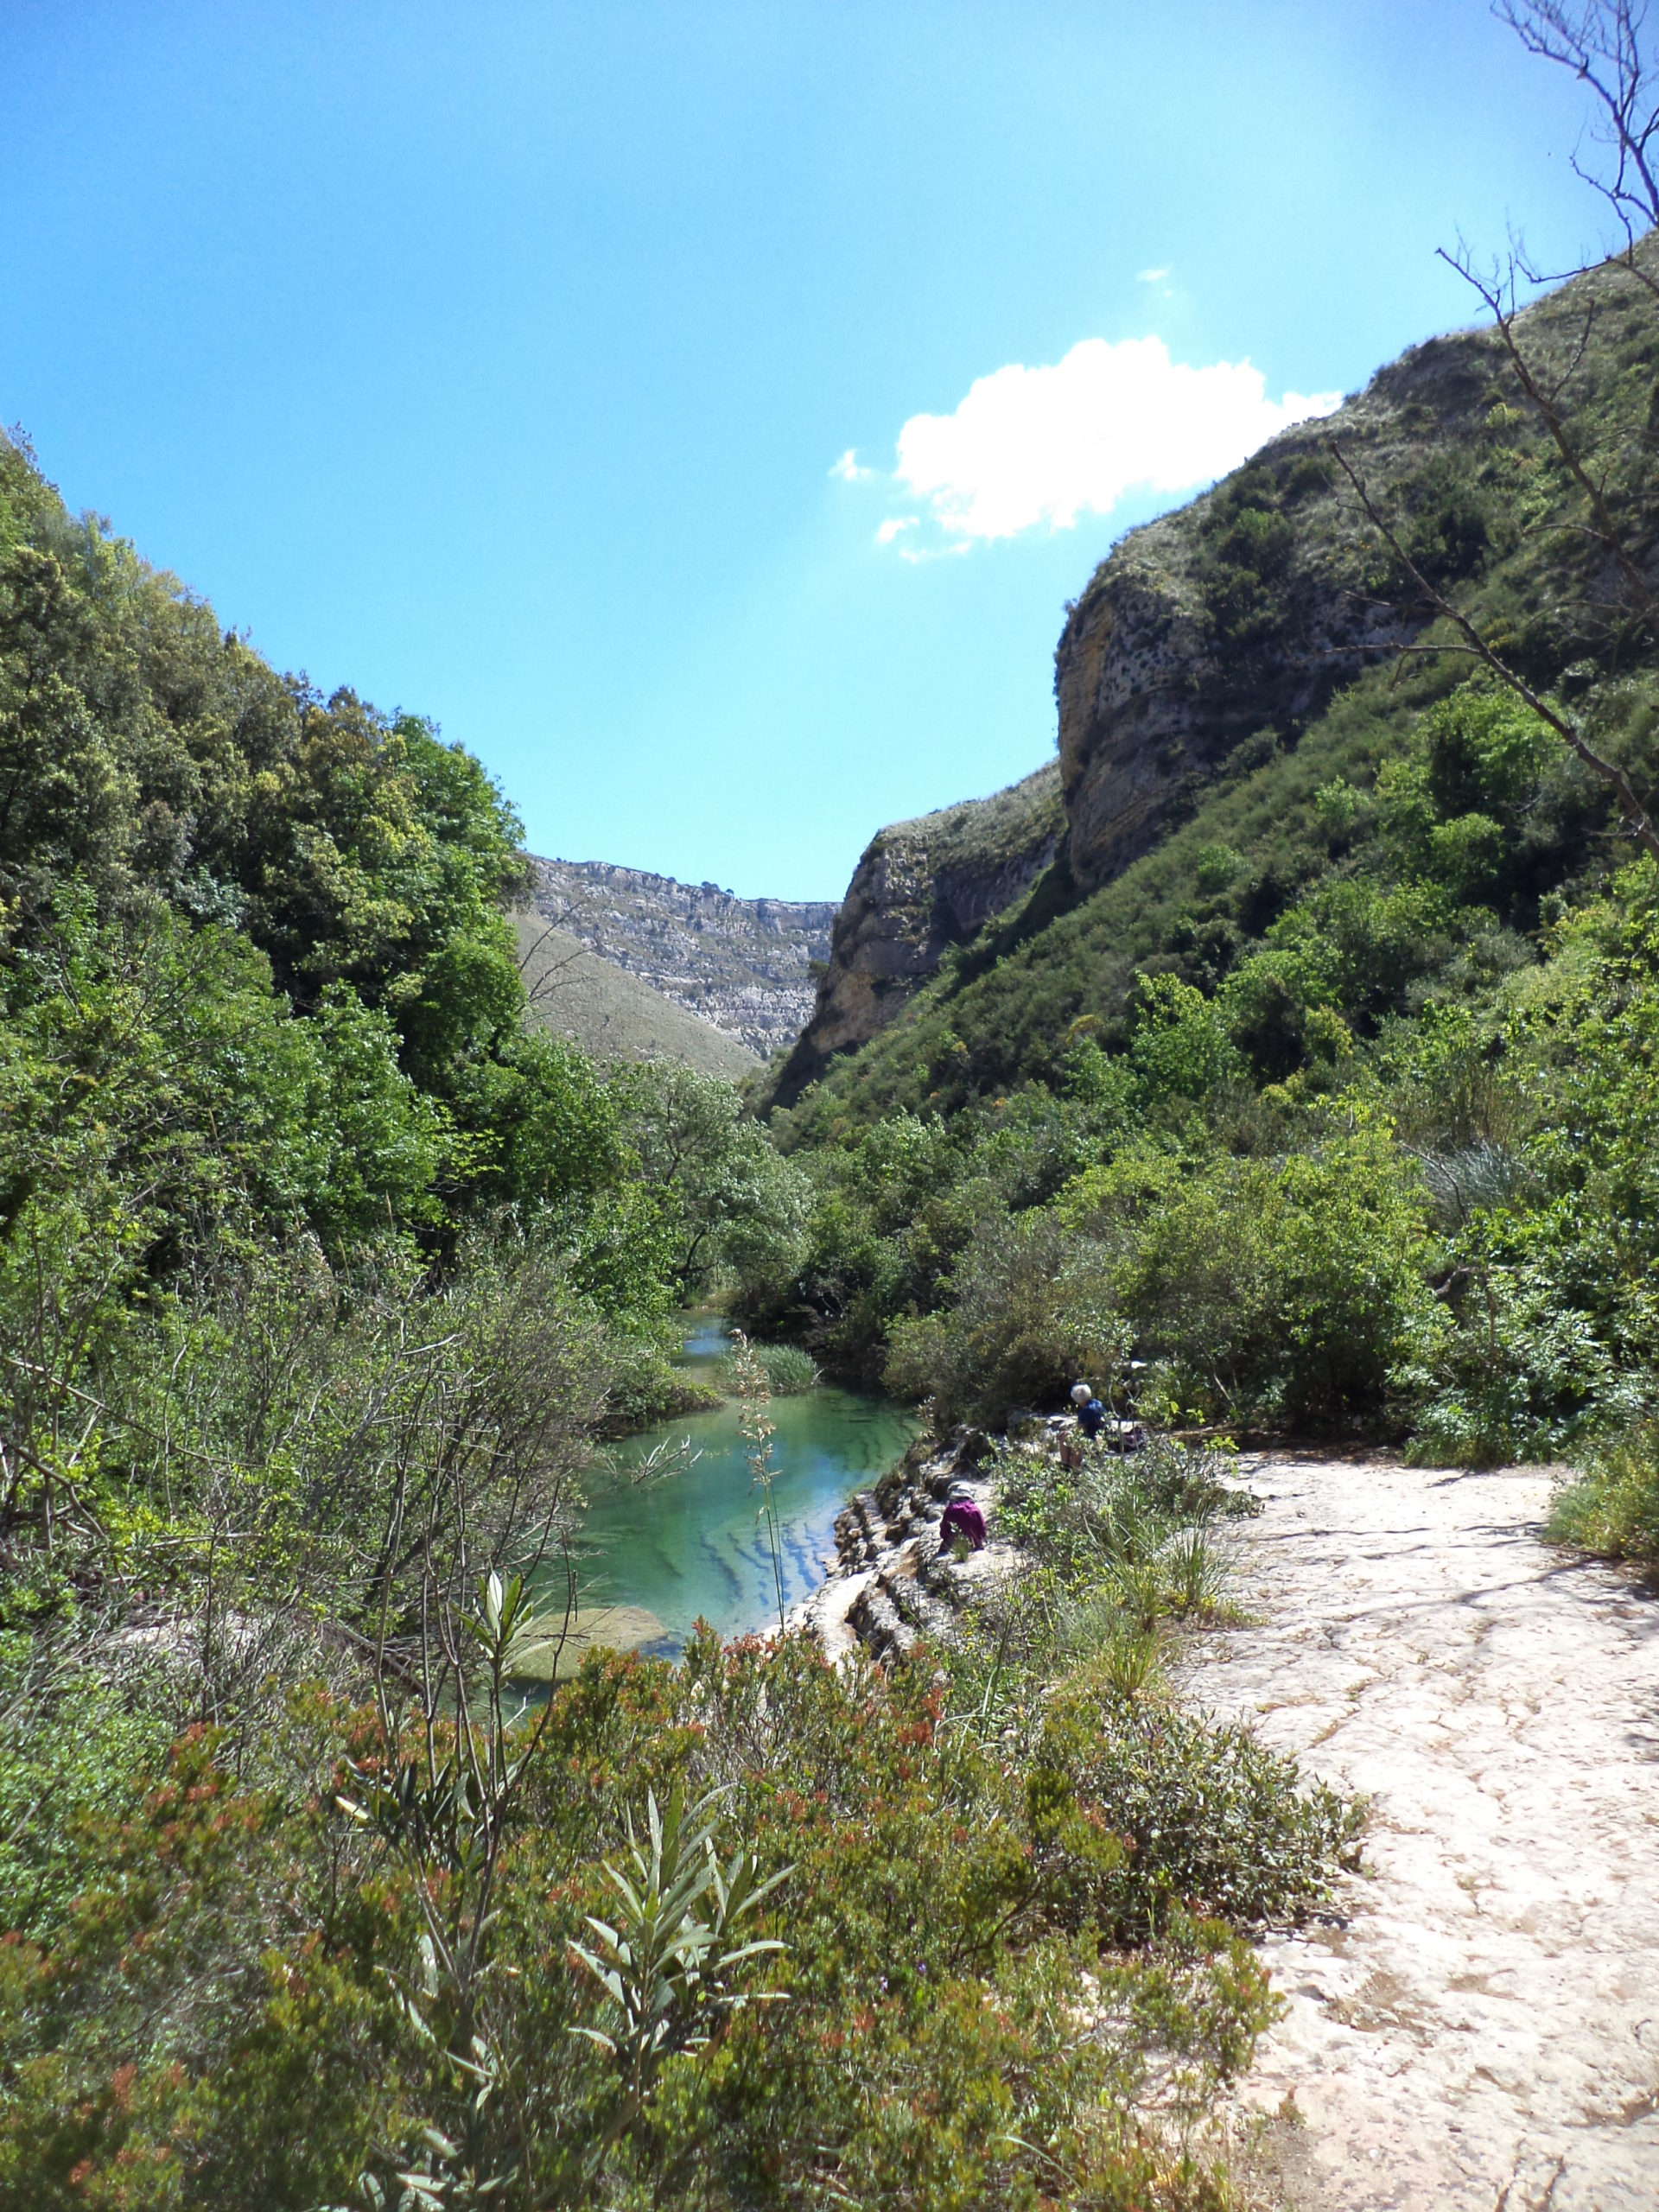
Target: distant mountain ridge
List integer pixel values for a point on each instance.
(747, 967)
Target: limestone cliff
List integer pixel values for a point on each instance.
(744, 965)
(921, 887)
(1238, 615)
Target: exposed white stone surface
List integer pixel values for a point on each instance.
(1477, 2029)
(746, 965)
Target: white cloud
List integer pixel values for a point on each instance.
(1033, 446)
(1152, 276)
(847, 467)
(893, 525)
(911, 551)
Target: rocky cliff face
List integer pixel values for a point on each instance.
(921, 887)
(746, 966)
(1208, 639)
(1239, 615)
(1225, 624)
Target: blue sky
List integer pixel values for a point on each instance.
(503, 360)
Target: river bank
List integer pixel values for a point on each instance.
(890, 1581)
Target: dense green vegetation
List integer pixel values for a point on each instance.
(322, 1273)
(1333, 1114)
(245, 1951)
(258, 984)
(969, 1935)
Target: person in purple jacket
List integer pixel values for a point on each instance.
(962, 1516)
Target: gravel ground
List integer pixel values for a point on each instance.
(1478, 2024)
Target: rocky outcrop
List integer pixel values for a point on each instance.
(1204, 641)
(1229, 623)
(1209, 638)
(921, 887)
(746, 966)
(893, 1582)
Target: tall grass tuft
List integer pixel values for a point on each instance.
(1614, 1507)
(757, 1428)
(788, 1370)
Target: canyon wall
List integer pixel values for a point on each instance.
(920, 887)
(1203, 644)
(746, 966)
(1234, 619)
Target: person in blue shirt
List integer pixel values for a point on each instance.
(1091, 1414)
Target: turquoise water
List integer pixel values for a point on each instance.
(690, 1544)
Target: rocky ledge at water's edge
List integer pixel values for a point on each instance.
(892, 1580)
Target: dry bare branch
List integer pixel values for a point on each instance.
(1497, 293)
(552, 979)
(1604, 44)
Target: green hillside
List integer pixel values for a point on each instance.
(1479, 488)
(1332, 1107)
(266, 1067)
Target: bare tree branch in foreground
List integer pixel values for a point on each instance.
(1601, 42)
(554, 976)
(1547, 399)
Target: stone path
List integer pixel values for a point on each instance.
(1477, 2029)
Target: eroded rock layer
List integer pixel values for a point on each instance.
(746, 966)
(921, 887)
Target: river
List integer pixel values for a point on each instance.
(655, 1556)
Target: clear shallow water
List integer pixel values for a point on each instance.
(691, 1545)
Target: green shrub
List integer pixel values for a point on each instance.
(1032, 1309)
(788, 1369)
(1288, 1291)
(242, 1948)
(647, 1385)
(1613, 1506)
(1206, 1818)
(1451, 520)
(1247, 545)
(70, 1747)
(1113, 1508)
(1181, 1049)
